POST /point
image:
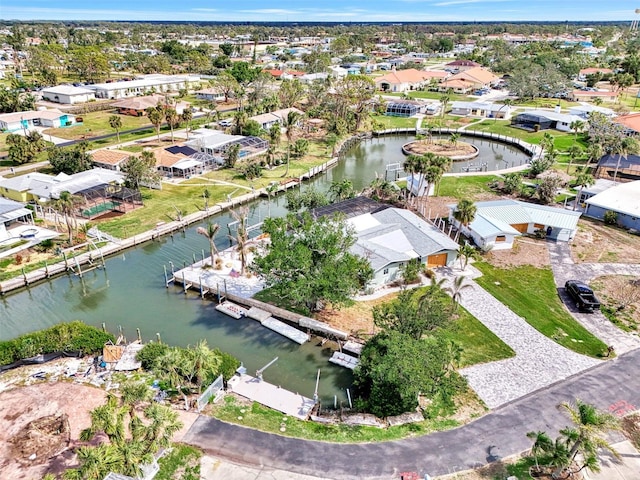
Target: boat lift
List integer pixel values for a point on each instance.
(260, 371)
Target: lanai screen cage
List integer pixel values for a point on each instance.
(108, 198)
(531, 122)
(401, 109)
(248, 146)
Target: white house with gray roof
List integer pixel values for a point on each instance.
(621, 198)
(68, 94)
(391, 237)
(497, 223)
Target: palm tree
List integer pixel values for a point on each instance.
(115, 122)
(412, 166)
(576, 126)
(210, 232)
(172, 118)
(66, 205)
(575, 152)
(584, 179)
(155, 117)
(542, 443)
(187, 116)
(453, 138)
(289, 124)
(465, 212)
(456, 290)
(594, 153)
(442, 163)
(445, 98)
(341, 190)
(231, 155)
(242, 237)
(205, 362)
(507, 102)
(466, 252)
(623, 148)
(590, 426)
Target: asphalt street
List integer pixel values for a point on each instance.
(612, 386)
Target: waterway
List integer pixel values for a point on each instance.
(130, 293)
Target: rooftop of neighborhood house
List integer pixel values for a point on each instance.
(67, 90)
(592, 93)
(110, 157)
(591, 70)
(7, 206)
(620, 161)
(631, 121)
(554, 116)
(142, 103)
(476, 74)
(623, 198)
(147, 81)
(479, 106)
(498, 215)
(51, 114)
(600, 185)
(410, 75)
(47, 186)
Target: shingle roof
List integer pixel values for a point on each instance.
(110, 157)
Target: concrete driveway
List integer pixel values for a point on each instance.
(627, 468)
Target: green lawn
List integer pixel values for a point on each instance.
(96, 124)
(478, 343)
(453, 97)
(395, 122)
(465, 187)
(183, 462)
(159, 205)
(562, 140)
(531, 293)
(262, 418)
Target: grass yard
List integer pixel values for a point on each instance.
(478, 343)
(161, 205)
(96, 124)
(394, 122)
(254, 415)
(531, 293)
(562, 140)
(470, 186)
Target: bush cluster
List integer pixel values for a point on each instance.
(72, 336)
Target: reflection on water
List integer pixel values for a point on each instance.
(131, 293)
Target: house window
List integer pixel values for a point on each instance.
(385, 271)
(501, 238)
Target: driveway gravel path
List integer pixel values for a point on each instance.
(539, 361)
(565, 269)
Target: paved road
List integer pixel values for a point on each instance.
(614, 385)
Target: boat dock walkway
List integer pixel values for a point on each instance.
(353, 347)
(272, 396)
(344, 360)
(231, 309)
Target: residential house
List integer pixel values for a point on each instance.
(337, 72)
(480, 109)
(110, 159)
(535, 120)
(586, 108)
(461, 65)
(456, 86)
(497, 223)
(623, 199)
(28, 120)
(284, 74)
(631, 122)
(407, 80)
(585, 72)
(267, 120)
(215, 143)
(137, 106)
(210, 94)
(68, 94)
(390, 237)
(145, 85)
(183, 161)
(591, 95)
(479, 77)
(621, 168)
(38, 187)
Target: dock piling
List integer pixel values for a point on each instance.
(139, 336)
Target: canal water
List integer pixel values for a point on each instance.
(130, 293)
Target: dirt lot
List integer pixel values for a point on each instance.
(24, 399)
(525, 251)
(596, 242)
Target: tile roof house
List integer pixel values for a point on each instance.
(631, 122)
(582, 75)
(478, 76)
(590, 95)
(136, 106)
(456, 85)
(110, 159)
(498, 222)
(266, 120)
(462, 65)
(406, 80)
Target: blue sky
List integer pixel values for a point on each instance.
(326, 10)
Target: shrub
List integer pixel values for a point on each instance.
(147, 356)
(228, 366)
(72, 336)
(611, 218)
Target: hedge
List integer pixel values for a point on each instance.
(72, 336)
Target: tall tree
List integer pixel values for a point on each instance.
(156, 116)
(115, 122)
(584, 179)
(186, 117)
(66, 205)
(289, 124)
(308, 262)
(172, 118)
(210, 231)
(140, 170)
(465, 212)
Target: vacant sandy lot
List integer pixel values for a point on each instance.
(599, 243)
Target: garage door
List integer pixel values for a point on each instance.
(438, 260)
(521, 227)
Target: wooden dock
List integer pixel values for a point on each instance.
(272, 396)
(344, 360)
(231, 309)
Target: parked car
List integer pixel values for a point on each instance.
(582, 295)
(225, 123)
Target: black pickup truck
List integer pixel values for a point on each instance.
(583, 295)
